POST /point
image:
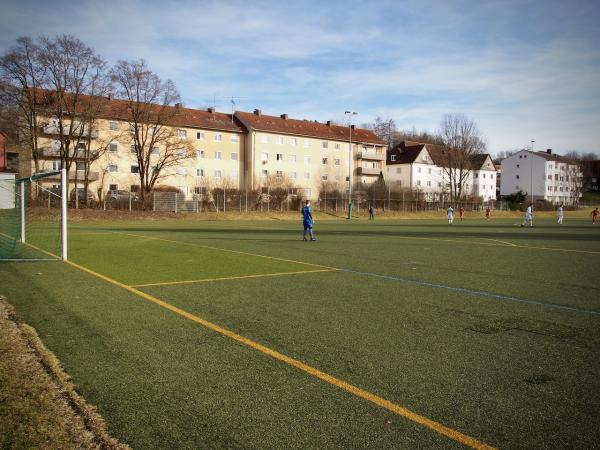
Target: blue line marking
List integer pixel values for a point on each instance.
(478, 293)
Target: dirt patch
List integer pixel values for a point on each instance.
(39, 407)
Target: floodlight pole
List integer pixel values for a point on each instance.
(63, 213)
(350, 114)
(22, 210)
(532, 155)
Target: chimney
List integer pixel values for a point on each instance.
(353, 127)
(258, 112)
(284, 116)
(110, 96)
(178, 105)
(549, 151)
(329, 123)
(211, 110)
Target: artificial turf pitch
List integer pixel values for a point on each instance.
(485, 329)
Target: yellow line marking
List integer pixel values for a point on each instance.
(239, 252)
(379, 401)
(241, 277)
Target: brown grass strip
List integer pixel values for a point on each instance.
(39, 407)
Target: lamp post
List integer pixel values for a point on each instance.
(350, 114)
(532, 154)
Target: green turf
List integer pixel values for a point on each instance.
(486, 327)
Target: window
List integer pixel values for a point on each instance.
(113, 187)
(134, 188)
(483, 176)
(199, 154)
(307, 160)
(337, 146)
(429, 171)
(234, 156)
(279, 174)
(418, 170)
(132, 148)
(182, 153)
(234, 174)
(200, 135)
(306, 143)
(429, 183)
(264, 138)
(182, 171)
(525, 156)
(307, 175)
(293, 142)
(113, 168)
(550, 177)
(265, 172)
(324, 177)
(113, 147)
(217, 174)
(439, 184)
(264, 157)
(56, 165)
(518, 165)
(217, 155)
(517, 177)
(418, 182)
(234, 138)
(393, 158)
(155, 151)
(279, 157)
(135, 169)
(336, 161)
(182, 134)
(325, 144)
(113, 126)
(491, 176)
(325, 160)
(199, 172)
(293, 175)
(279, 140)
(475, 175)
(398, 170)
(218, 137)
(293, 158)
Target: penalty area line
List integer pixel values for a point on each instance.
(431, 424)
(240, 277)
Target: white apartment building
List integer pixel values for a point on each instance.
(548, 176)
(418, 167)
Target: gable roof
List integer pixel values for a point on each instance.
(553, 157)
(407, 152)
(284, 125)
(118, 109)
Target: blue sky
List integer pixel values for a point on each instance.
(522, 70)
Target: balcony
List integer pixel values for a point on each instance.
(78, 175)
(372, 156)
(54, 153)
(368, 171)
(55, 130)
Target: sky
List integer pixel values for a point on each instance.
(522, 70)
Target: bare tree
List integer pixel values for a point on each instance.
(386, 130)
(74, 78)
(151, 113)
(21, 77)
(462, 142)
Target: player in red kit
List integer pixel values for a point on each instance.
(595, 214)
(488, 212)
(462, 213)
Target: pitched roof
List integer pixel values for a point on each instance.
(110, 108)
(408, 151)
(284, 125)
(553, 157)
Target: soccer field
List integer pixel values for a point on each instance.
(383, 334)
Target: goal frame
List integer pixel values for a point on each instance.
(63, 208)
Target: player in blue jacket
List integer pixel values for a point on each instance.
(307, 220)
